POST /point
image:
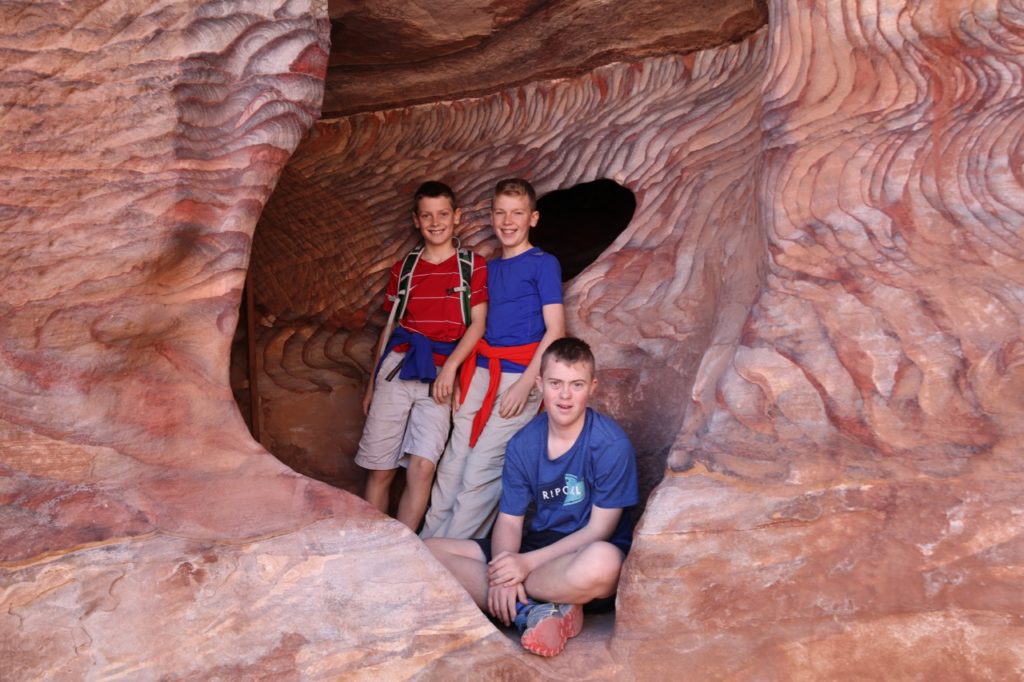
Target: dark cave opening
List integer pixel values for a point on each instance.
(577, 224)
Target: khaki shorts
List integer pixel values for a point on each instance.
(403, 420)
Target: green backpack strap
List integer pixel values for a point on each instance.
(401, 298)
(466, 283)
(465, 289)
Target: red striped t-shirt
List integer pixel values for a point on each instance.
(432, 310)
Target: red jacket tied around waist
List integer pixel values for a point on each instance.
(521, 355)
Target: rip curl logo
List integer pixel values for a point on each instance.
(572, 491)
(575, 490)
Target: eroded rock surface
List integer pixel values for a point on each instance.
(814, 320)
(390, 53)
(848, 494)
(143, 534)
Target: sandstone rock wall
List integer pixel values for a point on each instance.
(849, 479)
(143, 534)
(390, 53)
(814, 321)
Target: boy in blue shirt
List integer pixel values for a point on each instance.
(497, 381)
(578, 469)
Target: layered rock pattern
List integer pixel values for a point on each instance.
(848, 495)
(390, 53)
(143, 534)
(813, 320)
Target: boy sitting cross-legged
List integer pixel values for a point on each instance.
(578, 468)
(438, 294)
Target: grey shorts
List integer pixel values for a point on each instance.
(403, 420)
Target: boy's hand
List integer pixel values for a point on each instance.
(368, 398)
(507, 569)
(514, 400)
(443, 384)
(501, 602)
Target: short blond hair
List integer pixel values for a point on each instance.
(517, 187)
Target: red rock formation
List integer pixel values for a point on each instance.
(390, 53)
(849, 482)
(143, 534)
(825, 260)
(814, 319)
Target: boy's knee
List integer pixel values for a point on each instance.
(420, 468)
(602, 557)
(598, 567)
(380, 476)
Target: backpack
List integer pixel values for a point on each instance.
(401, 299)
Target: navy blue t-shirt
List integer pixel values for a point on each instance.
(518, 288)
(599, 469)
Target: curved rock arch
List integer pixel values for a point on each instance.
(845, 452)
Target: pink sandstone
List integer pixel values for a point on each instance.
(143, 534)
(389, 53)
(813, 322)
(824, 212)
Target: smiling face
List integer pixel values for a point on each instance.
(566, 389)
(436, 218)
(512, 218)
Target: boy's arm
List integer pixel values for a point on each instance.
(514, 400)
(368, 396)
(378, 347)
(474, 332)
(512, 568)
(505, 540)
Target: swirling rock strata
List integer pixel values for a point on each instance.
(143, 534)
(813, 320)
(847, 476)
(388, 54)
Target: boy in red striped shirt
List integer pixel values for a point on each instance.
(408, 400)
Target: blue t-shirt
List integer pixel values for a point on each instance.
(599, 469)
(518, 288)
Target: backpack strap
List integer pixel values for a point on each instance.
(401, 298)
(399, 301)
(465, 289)
(465, 282)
